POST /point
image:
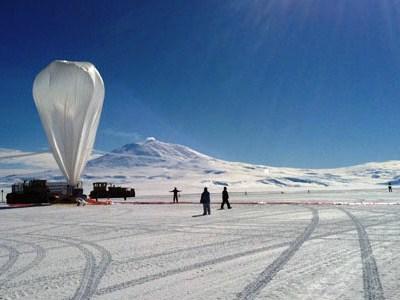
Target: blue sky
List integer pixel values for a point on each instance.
(307, 83)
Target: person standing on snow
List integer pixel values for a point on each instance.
(175, 191)
(205, 200)
(390, 187)
(225, 199)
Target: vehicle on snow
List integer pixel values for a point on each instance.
(100, 190)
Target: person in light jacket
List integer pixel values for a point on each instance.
(205, 200)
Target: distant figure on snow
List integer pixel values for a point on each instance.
(390, 187)
(225, 199)
(175, 191)
(205, 200)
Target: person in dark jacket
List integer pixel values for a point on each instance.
(225, 199)
(205, 200)
(175, 191)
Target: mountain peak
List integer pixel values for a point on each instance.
(150, 139)
(148, 152)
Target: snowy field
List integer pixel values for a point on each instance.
(280, 251)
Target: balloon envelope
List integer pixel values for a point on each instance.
(69, 97)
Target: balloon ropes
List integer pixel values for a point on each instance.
(69, 98)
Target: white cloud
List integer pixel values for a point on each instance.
(132, 136)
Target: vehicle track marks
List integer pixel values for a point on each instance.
(40, 255)
(92, 272)
(372, 283)
(101, 267)
(253, 288)
(130, 260)
(141, 280)
(293, 248)
(83, 291)
(12, 258)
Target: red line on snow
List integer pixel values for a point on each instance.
(261, 203)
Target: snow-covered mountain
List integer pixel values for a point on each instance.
(153, 166)
(149, 152)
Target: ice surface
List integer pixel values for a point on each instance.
(162, 252)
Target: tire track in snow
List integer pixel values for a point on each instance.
(93, 272)
(252, 289)
(40, 254)
(227, 243)
(12, 258)
(141, 280)
(101, 267)
(372, 283)
(83, 291)
(129, 260)
(66, 274)
(135, 233)
(310, 228)
(145, 229)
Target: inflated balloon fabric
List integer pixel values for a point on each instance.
(69, 97)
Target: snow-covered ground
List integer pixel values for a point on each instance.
(263, 251)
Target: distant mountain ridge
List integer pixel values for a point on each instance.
(154, 165)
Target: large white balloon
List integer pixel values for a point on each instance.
(69, 97)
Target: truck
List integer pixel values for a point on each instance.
(37, 191)
(100, 190)
(30, 191)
